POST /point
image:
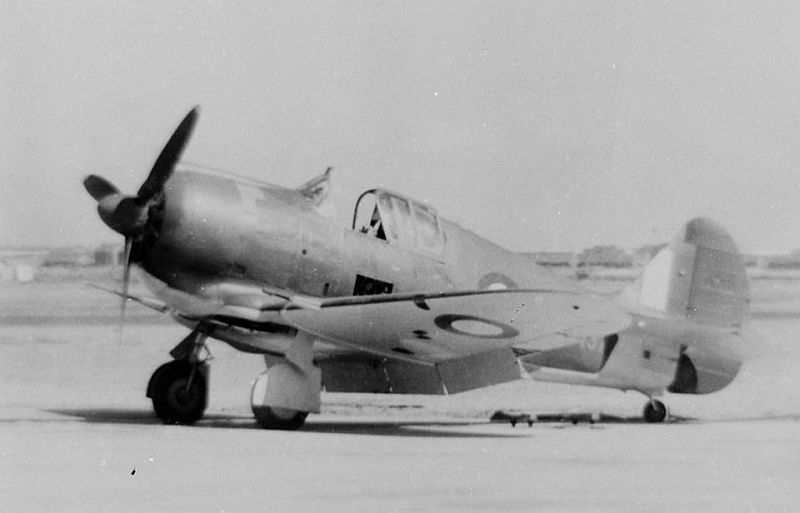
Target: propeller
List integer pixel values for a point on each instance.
(127, 215)
(126, 277)
(99, 187)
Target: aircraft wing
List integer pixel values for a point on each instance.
(414, 327)
(149, 302)
(443, 326)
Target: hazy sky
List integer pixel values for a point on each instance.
(540, 125)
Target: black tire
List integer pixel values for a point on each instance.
(279, 418)
(654, 411)
(173, 401)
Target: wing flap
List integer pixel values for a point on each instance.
(370, 375)
(479, 370)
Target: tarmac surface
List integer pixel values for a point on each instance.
(77, 433)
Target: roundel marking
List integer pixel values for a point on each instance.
(471, 326)
(496, 281)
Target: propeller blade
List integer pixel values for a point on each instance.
(169, 156)
(126, 275)
(99, 187)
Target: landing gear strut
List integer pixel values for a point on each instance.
(179, 389)
(654, 411)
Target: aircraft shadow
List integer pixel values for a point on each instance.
(411, 428)
(395, 428)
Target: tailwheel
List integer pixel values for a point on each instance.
(270, 417)
(654, 411)
(179, 390)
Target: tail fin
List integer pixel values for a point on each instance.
(699, 276)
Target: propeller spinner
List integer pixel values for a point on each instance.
(127, 215)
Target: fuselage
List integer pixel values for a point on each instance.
(217, 229)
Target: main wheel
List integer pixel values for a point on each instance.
(279, 418)
(179, 391)
(654, 411)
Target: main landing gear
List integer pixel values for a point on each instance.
(179, 389)
(654, 411)
(281, 398)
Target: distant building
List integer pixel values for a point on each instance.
(605, 256)
(109, 254)
(20, 264)
(791, 261)
(73, 256)
(755, 261)
(554, 258)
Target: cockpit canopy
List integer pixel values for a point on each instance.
(398, 220)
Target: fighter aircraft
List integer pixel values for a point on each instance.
(402, 301)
